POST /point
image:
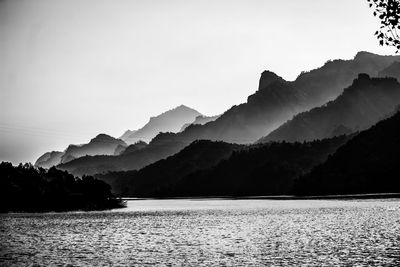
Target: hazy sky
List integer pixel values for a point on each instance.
(72, 69)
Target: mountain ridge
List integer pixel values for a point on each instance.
(360, 106)
(102, 144)
(275, 102)
(169, 121)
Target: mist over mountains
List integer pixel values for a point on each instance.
(392, 70)
(102, 144)
(360, 106)
(245, 150)
(169, 121)
(49, 159)
(199, 120)
(275, 102)
(364, 162)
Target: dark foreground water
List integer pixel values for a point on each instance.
(209, 232)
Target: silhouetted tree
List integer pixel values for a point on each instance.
(26, 188)
(388, 11)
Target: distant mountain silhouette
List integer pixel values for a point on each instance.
(275, 102)
(392, 70)
(119, 149)
(369, 163)
(366, 162)
(49, 159)
(169, 121)
(199, 120)
(156, 150)
(126, 134)
(102, 144)
(360, 106)
(134, 147)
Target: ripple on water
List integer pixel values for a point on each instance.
(209, 232)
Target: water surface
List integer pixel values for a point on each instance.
(209, 232)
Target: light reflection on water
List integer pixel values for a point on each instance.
(209, 232)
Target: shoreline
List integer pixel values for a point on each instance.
(281, 197)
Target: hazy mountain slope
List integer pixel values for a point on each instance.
(369, 163)
(198, 155)
(275, 102)
(329, 81)
(392, 70)
(102, 144)
(156, 150)
(200, 120)
(49, 159)
(119, 149)
(126, 134)
(360, 106)
(169, 121)
(134, 147)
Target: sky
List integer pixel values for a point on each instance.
(72, 69)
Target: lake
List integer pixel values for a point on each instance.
(207, 233)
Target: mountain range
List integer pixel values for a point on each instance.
(365, 162)
(102, 144)
(275, 102)
(360, 106)
(300, 127)
(169, 121)
(210, 168)
(368, 163)
(200, 120)
(49, 159)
